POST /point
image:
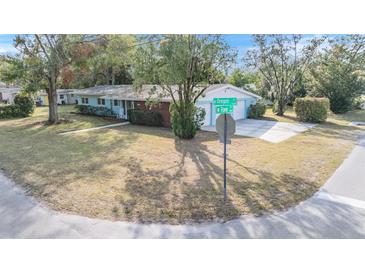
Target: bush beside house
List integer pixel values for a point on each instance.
(186, 124)
(145, 117)
(23, 106)
(311, 109)
(256, 111)
(97, 111)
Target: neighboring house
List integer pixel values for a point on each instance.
(7, 94)
(42, 99)
(66, 96)
(120, 98)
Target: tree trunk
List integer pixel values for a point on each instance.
(281, 108)
(52, 98)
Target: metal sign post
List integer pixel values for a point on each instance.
(225, 158)
(226, 127)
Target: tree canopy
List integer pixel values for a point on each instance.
(282, 60)
(183, 66)
(106, 61)
(339, 72)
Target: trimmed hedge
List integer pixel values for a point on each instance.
(23, 106)
(97, 111)
(257, 110)
(145, 117)
(311, 109)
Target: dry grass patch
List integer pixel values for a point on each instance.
(145, 174)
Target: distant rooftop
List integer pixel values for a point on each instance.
(9, 89)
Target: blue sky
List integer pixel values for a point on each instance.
(241, 42)
(235, 40)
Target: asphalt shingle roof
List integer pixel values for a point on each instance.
(128, 92)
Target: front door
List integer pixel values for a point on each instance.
(122, 110)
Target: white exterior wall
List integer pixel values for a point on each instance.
(59, 100)
(239, 110)
(9, 97)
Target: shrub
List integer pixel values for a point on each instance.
(145, 117)
(184, 122)
(359, 103)
(311, 109)
(97, 111)
(199, 117)
(25, 104)
(9, 111)
(257, 110)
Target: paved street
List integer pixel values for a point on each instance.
(336, 211)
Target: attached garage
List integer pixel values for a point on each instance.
(240, 111)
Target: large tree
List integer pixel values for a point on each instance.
(107, 61)
(183, 66)
(282, 60)
(241, 78)
(45, 56)
(339, 72)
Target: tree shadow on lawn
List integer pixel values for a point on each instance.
(166, 132)
(46, 164)
(335, 131)
(170, 196)
(279, 119)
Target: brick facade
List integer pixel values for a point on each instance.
(162, 108)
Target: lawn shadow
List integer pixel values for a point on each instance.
(279, 118)
(166, 132)
(47, 163)
(332, 130)
(168, 196)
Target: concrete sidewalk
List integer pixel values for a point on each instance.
(349, 178)
(325, 215)
(93, 128)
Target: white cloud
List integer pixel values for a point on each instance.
(7, 49)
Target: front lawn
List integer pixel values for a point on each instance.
(145, 174)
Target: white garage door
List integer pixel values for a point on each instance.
(238, 110)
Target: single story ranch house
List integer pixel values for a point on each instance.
(120, 98)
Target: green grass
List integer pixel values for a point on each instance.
(145, 174)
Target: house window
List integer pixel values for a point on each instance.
(84, 100)
(116, 103)
(61, 96)
(101, 101)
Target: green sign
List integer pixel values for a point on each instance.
(224, 109)
(225, 101)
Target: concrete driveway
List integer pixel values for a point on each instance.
(270, 131)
